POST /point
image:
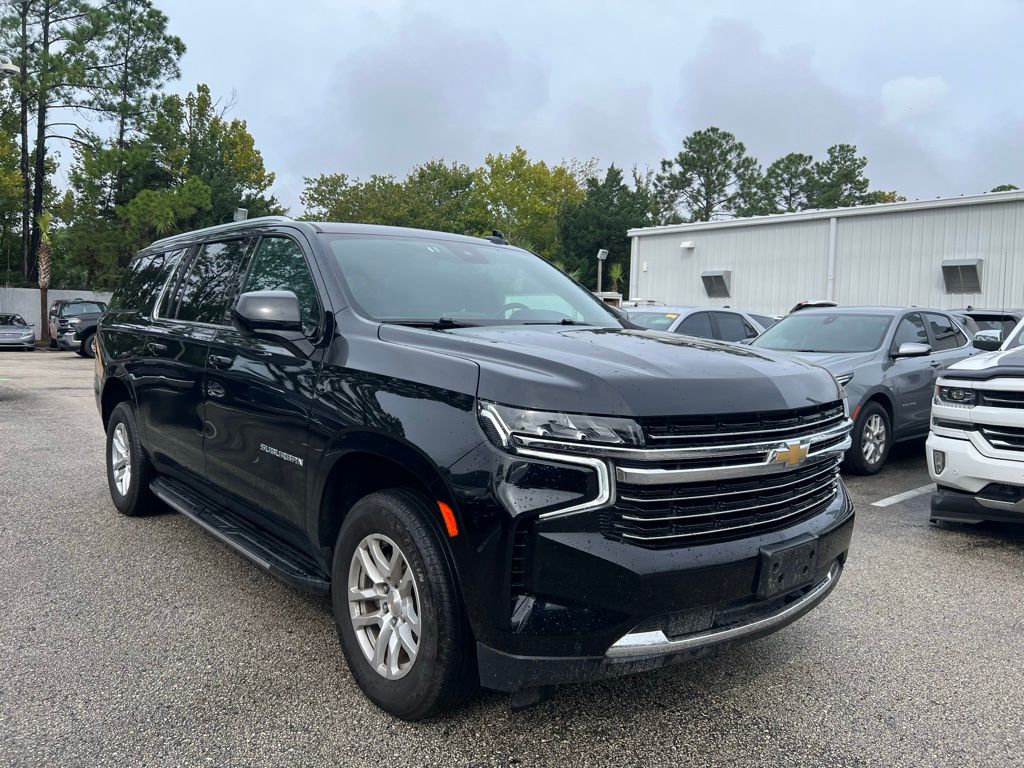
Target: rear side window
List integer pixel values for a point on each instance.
(655, 321)
(698, 324)
(208, 288)
(280, 266)
(732, 327)
(945, 334)
(142, 281)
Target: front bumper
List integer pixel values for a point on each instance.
(27, 343)
(963, 493)
(68, 342)
(642, 609)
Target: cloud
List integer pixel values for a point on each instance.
(912, 98)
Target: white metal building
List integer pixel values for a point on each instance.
(948, 252)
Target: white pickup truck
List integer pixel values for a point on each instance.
(976, 443)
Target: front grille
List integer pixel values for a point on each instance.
(1005, 438)
(995, 398)
(675, 431)
(681, 514)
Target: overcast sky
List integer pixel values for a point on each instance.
(930, 92)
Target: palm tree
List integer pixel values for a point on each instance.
(44, 257)
(615, 275)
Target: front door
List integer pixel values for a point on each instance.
(259, 395)
(911, 378)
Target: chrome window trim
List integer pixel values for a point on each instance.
(656, 643)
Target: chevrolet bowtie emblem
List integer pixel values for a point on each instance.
(791, 455)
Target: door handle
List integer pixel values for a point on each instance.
(220, 361)
(935, 364)
(156, 347)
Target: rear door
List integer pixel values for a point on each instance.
(260, 391)
(949, 343)
(172, 371)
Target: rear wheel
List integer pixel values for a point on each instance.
(397, 609)
(128, 470)
(872, 439)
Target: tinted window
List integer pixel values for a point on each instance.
(143, 280)
(424, 279)
(910, 331)
(698, 324)
(945, 334)
(82, 308)
(732, 327)
(280, 266)
(11, 320)
(656, 321)
(764, 320)
(1003, 323)
(826, 332)
(208, 288)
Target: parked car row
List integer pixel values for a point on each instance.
(73, 324)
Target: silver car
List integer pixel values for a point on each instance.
(704, 322)
(887, 359)
(15, 333)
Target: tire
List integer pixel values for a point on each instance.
(442, 674)
(85, 348)
(53, 343)
(870, 447)
(136, 499)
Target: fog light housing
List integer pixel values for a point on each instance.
(939, 461)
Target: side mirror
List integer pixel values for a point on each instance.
(913, 349)
(268, 311)
(988, 341)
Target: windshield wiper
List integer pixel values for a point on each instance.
(440, 323)
(563, 321)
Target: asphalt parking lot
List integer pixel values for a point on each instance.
(146, 642)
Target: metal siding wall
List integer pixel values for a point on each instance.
(772, 266)
(896, 258)
(25, 301)
(891, 258)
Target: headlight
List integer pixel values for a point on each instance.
(955, 396)
(74, 321)
(502, 421)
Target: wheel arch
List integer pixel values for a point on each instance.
(115, 391)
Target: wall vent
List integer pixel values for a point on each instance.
(962, 275)
(716, 283)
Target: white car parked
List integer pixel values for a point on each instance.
(976, 444)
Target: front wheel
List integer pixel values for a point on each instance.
(86, 348)
(397, 609)
(872, 439)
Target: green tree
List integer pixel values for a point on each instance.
(522, 198)
(839, 180)
(708, 179)
(445, 197)
(609, 208)
(788, 183)
(336, 197)
(1004, 188)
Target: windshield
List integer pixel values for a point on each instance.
(844, 332)
(656, 321)
(82, 308)
(11, 320)
(1001, 323)
(426, 280)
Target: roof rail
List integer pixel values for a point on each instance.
(222, 228)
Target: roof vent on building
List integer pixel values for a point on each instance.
(716, 283)
(962, 275)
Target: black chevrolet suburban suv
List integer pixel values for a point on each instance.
(497, 480)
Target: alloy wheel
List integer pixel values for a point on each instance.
(384, 606)
(873, 439)
(121, 459)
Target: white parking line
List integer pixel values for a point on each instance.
(904, 496)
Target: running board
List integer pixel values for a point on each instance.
(257, 544)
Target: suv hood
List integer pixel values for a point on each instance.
(989, 365)
(624, 372)
(836, 362)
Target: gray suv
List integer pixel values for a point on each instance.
(887, 360)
